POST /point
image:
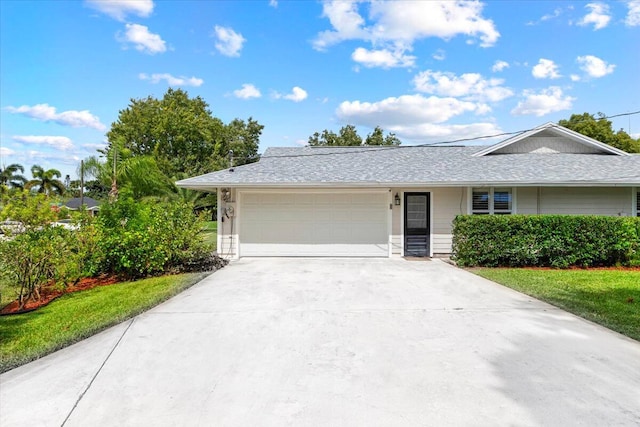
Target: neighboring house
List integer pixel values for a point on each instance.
(90, 204)
(384, 201)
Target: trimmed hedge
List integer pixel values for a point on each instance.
(545, 240)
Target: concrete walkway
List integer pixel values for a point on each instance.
(273, 342)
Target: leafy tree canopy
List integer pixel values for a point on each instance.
(45, 181)
(600, 129)
(348, 136)
(182, 136)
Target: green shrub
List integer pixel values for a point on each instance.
(546, 240)
(137, 239)
(36, 257)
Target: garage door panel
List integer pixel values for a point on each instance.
(314, 224)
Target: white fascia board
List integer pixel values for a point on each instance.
(355, 185)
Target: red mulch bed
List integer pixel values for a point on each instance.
(51, 292)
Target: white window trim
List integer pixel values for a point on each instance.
(491, 204)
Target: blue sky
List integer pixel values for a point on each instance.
(429, 71)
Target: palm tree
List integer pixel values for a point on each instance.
(46, 181)
(140, 174)
(9, 176)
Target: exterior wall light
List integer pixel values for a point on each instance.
(397, 199)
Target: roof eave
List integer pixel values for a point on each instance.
(302, 185)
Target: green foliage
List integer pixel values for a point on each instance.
(96, 189)
(10, 177)
(377, 138)
(36, 257)
(348, 136)
(181, 134)
(601, 130)
(545, 240)
(32, 210)
(141, 239)
(46, 181)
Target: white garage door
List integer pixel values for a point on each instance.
(314, 224)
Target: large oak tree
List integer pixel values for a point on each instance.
(601, 129)
(182, 135)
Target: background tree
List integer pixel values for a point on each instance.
(140, 174)
(10, 176)
(45, 181)
(377, 138)
(601, 130)
(348, 136)
(182, 136)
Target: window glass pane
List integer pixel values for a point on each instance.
(480, 201)
(502, 200)
(416, 211)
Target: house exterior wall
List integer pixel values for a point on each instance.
(611, 201)
(227, 226)
(446, 203)
(547, 144)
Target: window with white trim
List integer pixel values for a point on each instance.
(492, 201)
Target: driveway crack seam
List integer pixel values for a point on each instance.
(97, 372)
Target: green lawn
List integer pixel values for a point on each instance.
(608, 297)
(75, 316)
(210, 233)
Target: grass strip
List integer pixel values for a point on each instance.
(210, 233)
(610, 298)
(75, 316)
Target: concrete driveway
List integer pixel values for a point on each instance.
(350, 342)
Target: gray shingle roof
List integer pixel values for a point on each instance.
(74, 203)
(411, 165)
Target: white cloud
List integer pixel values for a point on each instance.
(346, 22)
(142, 40)
(171, 80)
(439, 55)
(471, 86)
(4, 151)
(229, 43)
(499, 66)
(297, 94)
(545, 69)
(544, 102)
(98, 146)
(432, 133)
(574, 77)
(633, 15)
(594, 66)
(383, 58)
(598, 16)
(273, 3)
(406, 109)
(247, 91)
(393, 27)
(119, 9)
(549, 16)
(405, 21)
(59, 142)
(47, 113)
